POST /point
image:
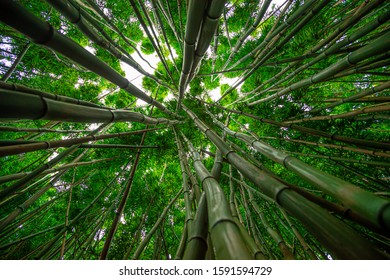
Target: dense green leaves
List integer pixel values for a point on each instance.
(267, 62)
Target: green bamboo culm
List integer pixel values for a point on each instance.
(194, 130)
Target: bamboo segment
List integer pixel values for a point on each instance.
(196, 247)
(16, 62)
(155, 44)
(16, 176)
(76, 17)
(195, 10)
(24, 89)
(40, 130)
(335, 235)
(274, 234)
(373, 208)
(29, 147)
(342, 147)
(43, 33)
(331, 50)
(245, 35)
(14, 105)
(380, 45)
(147, 238)
(209, 26)
(222, 227)
(315, 132)
(51, 243)
(37, 171)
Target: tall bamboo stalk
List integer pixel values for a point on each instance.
(147, 238)
(222, 227)
(16, 62)
(40, 32)
(332, 233)
(348, 194)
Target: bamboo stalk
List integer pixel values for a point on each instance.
(21, 105)
(19, 175)
(350, 195)
(378, 46)
(274, 234)
(311, 131)
(16, 62)
(43, 33)
(331, 232)
(332, 49)
(196, 246)
(147, 238)
(29, 147)
(222, 227)
(76, 17)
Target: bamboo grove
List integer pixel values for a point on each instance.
(261, 132)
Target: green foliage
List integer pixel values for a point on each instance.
(146, 46)
(159, 176)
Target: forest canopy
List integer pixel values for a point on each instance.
(198, 129)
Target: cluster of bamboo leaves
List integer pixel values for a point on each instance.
(289, 161)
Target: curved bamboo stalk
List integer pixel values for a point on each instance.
(76, 17)
(311, 131)
(14, 105)
(147, 238)
(330, 231)
(350, 195)
(43, 33)
(332, 49)
(380, 45)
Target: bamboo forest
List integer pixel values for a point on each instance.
(197, 129)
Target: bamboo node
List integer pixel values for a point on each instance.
(21, 207)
